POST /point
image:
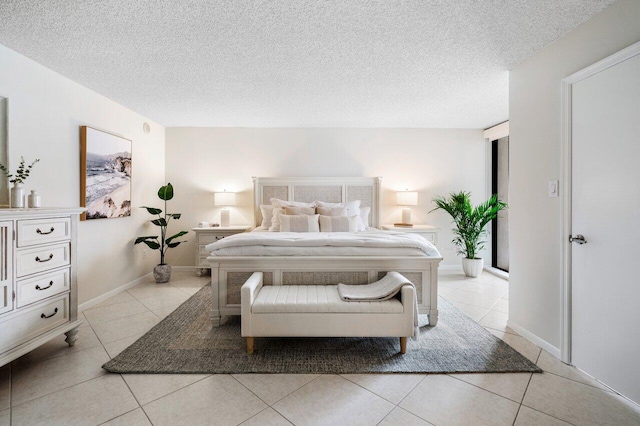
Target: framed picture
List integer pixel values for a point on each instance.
(105, 174)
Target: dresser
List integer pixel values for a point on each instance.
(426, 231)
(210, 235)
(38, 278)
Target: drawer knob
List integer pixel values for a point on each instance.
(45, 260)
(44, 288)
(45, 233)
(49, 316)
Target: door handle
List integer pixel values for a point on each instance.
(579, 239)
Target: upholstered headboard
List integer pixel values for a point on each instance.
(329, 189)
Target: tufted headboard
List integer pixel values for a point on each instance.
(329, 189)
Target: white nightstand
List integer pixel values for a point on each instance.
(210, 235)
(426, 231)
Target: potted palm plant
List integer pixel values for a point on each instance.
(470, 225)
(162, 271)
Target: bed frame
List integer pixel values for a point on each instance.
(228, 274)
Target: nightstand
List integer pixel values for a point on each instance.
(210, 235)
(430, 233)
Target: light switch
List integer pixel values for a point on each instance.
(553, 188)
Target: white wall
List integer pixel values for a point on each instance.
(45, 112)
(535, 158)
(200, 161)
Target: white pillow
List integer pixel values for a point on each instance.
(299, 210)
(267, 214)
(353, 208)
(363, 224)
(299, 223)
(276, 202)
(275, 219)
(339, 223)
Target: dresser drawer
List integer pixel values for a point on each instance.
(31, 322)
(43, 231)
(429, 236)
(210, 238)
(41, 287)
(40, 259)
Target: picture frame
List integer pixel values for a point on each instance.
(105, 174)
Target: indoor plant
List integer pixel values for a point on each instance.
(162, 271)
(470, 224)
(23, 172)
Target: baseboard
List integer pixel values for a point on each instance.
(184, 268)
(93, 302)
(497, 272)
(534, 339)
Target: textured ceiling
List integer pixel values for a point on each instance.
(295, 63)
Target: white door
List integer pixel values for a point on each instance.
(606, 211)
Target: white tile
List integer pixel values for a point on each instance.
(5, 417)
(162, 313)
(218, 398)
(118, 298)
(530, 417)
(441, 399)
(144, 290)
(267, 417)
(114, 311)
(189, 282)
(520, 344)
(400, 417)
(501, 306)
(273, 387)
(58, 347)
(508, 385)
(444, 291)
(117, 346)
(497, 321)
(163, 300)
(149, 387)
(125, 327)
(489, 290)
(553, 365)
(578, 403)
(392, 387)
(5, 387)
(132, 418)
(33, 380)
(89, 403)
(473, 298)
(333, 400)
(473, 312)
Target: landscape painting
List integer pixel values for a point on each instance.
(105, 175)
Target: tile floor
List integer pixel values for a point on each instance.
(56, 385)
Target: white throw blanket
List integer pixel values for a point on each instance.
(302, 240)
(383, 289)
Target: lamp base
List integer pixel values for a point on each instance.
(224, 218)
(403, 225)
(406, 216)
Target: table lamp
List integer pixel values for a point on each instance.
(406, 198)
(225, 199)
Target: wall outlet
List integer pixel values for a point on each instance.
(553, 188)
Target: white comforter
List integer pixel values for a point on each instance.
(368, 243)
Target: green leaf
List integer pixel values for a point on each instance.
(172, 245)
(152, 245)
(152, 210)
(143, 239)
(178, 235)
(159, 222)
(175, 215)
(166, 192)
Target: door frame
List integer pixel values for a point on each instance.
(566, 173)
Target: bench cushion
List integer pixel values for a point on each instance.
(316, 298)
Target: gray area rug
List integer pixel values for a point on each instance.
(185, 342)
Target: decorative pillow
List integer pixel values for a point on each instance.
(332, 211)
(299, 223)
(276, 202)
(339, 223)
(267, 214)
(275, 219)
(363, 224)
(353, 208)
(299, 210)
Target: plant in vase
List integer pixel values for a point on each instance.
(17, 179)
(470, 225)
(162, 271)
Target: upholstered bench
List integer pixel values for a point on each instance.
(318, 311)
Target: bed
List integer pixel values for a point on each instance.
(287, 258)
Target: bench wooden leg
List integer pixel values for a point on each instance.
(403, 345)
(249, 345)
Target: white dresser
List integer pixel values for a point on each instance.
(426, 231)
(210, 235)
(38, 278)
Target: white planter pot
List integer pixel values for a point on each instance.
(472, 267)
(17, 196)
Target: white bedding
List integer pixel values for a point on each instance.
(367, 243)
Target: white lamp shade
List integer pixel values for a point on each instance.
(225, 199)
(407, 198)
